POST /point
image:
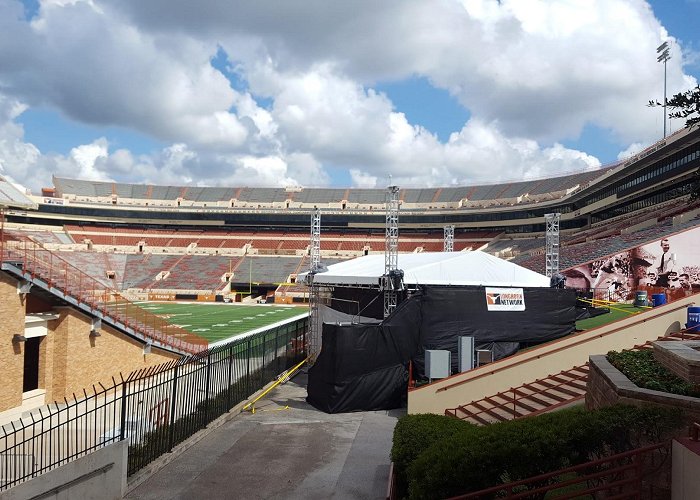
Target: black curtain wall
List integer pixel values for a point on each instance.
(365, 366)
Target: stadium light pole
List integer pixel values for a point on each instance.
(664, 54)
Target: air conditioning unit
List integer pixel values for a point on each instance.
(437, 364)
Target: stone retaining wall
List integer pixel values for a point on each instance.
(607, 386)
(680, 358)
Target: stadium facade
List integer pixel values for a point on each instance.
(257, 238)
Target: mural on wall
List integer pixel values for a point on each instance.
(672, 263)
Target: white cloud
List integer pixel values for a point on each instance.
(631, 150)
(531, 73)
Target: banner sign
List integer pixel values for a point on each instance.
(505, 299)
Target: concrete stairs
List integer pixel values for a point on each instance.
(555, 391)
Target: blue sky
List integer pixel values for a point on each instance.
(235, 95)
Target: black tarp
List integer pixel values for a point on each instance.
(364, 366)
(452, 312)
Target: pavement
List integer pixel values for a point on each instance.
(287, 449)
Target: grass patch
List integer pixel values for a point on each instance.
(621, 311)
(221, 321)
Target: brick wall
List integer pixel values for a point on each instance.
(607, 385)
(78, 361)
(11, 354)
(69, 359)
(680, 358)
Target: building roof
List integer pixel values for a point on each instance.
(474, 268)
(11, 197)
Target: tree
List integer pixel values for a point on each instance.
(685, 105)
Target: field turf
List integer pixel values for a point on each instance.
(221, 321)
(617, 311)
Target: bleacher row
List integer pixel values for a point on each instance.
(268, 241)
(83, 189)
(572, 255)
(182, 272)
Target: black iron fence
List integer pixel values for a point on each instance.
(154, 408)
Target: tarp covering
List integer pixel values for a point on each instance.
(356, 358)
(328, 315)
(451, 312)
(433, 268)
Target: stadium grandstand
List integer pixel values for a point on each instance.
(83, 255)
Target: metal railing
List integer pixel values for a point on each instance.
(624, 475)
(154, 408)
(35, 262)
(530, 399)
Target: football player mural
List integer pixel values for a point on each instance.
(672, 263)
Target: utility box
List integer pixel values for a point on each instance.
(465, 353)
(437, 364)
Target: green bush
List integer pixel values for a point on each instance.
(520, 449)
(644, 371)
(415, 433)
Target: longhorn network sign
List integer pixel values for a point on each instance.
(505, 299)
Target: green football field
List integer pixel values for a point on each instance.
(617, 311)
(221, 321)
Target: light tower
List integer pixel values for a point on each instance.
(664, 54)
(449, 238)
(391, 281)
(552, 244)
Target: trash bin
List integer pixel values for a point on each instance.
(659, 299)
(640, 299)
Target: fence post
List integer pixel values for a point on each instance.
(264, 366)
(230, 368)
(247, 372)
(171, 427)
(305, 330)
(206, 388)
(122, 424)
(276, 356)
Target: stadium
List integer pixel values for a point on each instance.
(103, 279)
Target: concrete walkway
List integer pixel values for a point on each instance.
(281, 453)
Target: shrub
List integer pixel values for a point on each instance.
(520, 449)
(413, 434)
(644, 371)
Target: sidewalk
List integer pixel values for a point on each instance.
(298, 452)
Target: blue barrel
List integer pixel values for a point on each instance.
(640, 299)
(693, 319)
(659, 299)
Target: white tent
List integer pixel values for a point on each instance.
(433, 268)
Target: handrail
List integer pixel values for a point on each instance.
(506, 395)
(284, 376)
(527, 356)
(39, 262)
(632, 454)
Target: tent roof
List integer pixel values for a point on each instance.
(434, 268)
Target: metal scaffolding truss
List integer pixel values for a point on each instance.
(314, 336)
(449, 241)
(552, 244)
(391, 281)
(315, 247)
(315, 327)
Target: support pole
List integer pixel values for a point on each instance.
(390, 282)
(449, 238)
(552, 244)
(314, 336)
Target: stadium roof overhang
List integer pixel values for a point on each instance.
(11, 197)
(473, 268)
